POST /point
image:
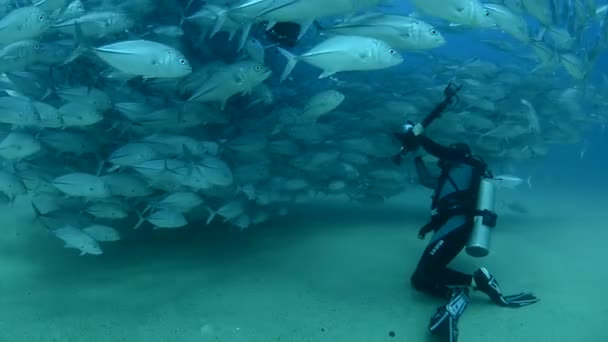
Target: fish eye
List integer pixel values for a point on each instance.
(391, 51)
(433, 32)
(36, 46)
(182, 61)
(41, 18)
(257, 68)
(486, 13)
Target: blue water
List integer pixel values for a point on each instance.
(329, 271)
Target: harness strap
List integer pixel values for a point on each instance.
(489, 219)
(440, 219)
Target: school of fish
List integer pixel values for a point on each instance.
(165, 114)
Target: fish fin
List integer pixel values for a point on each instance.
(38, 214)
(190, 2)
(230, 35)
(139, 223)
(326, 73)
(253, 103)
(182, 14)
(37, 211)
(211, 215)
(366, 16)
(277, 129)
(219, 22)
(146, 209)
(187, 154)
(304, 26)
(112, 169)
(539, 36)
(82, 253)
(270, 25)
(529, 181)
(10, 58)
(81, 45)
(201, 91)
(292, 60)
(99, 171)
(244, 34)
(141, 219)
(319, 27)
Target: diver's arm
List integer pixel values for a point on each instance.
(424, 176)
(443, 152)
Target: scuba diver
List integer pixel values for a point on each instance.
(284, 34)
(462, 215)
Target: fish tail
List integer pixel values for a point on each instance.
(166, 167)
(292, 60)
(253, 103)
(141, 219)
(102, 163)
(146, 209)
(211, 215)
(81, 45)
(112, 168)
(318, 26)
(219, 22)
(182, 17)
(37, 212)
(139, 223)
(188, 5)
(529, 181)
(540, 34)
(244, 34)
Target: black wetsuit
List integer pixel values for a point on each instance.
(453, 209)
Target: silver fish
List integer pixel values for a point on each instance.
(345, 53)
(145, 58)
(167, 218)
(102, 233)
(82, 185)
(75, 238)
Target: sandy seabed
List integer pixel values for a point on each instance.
(331, 271)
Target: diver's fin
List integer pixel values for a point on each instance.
(444, 322)
(487, 284)
(520, 299)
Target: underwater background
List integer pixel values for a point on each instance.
(320, 264)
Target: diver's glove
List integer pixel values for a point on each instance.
(408, 140)
(408, 136)
(487, 284)
(444, 322)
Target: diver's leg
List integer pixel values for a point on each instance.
(432, 274)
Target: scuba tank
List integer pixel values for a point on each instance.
(483, 222)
